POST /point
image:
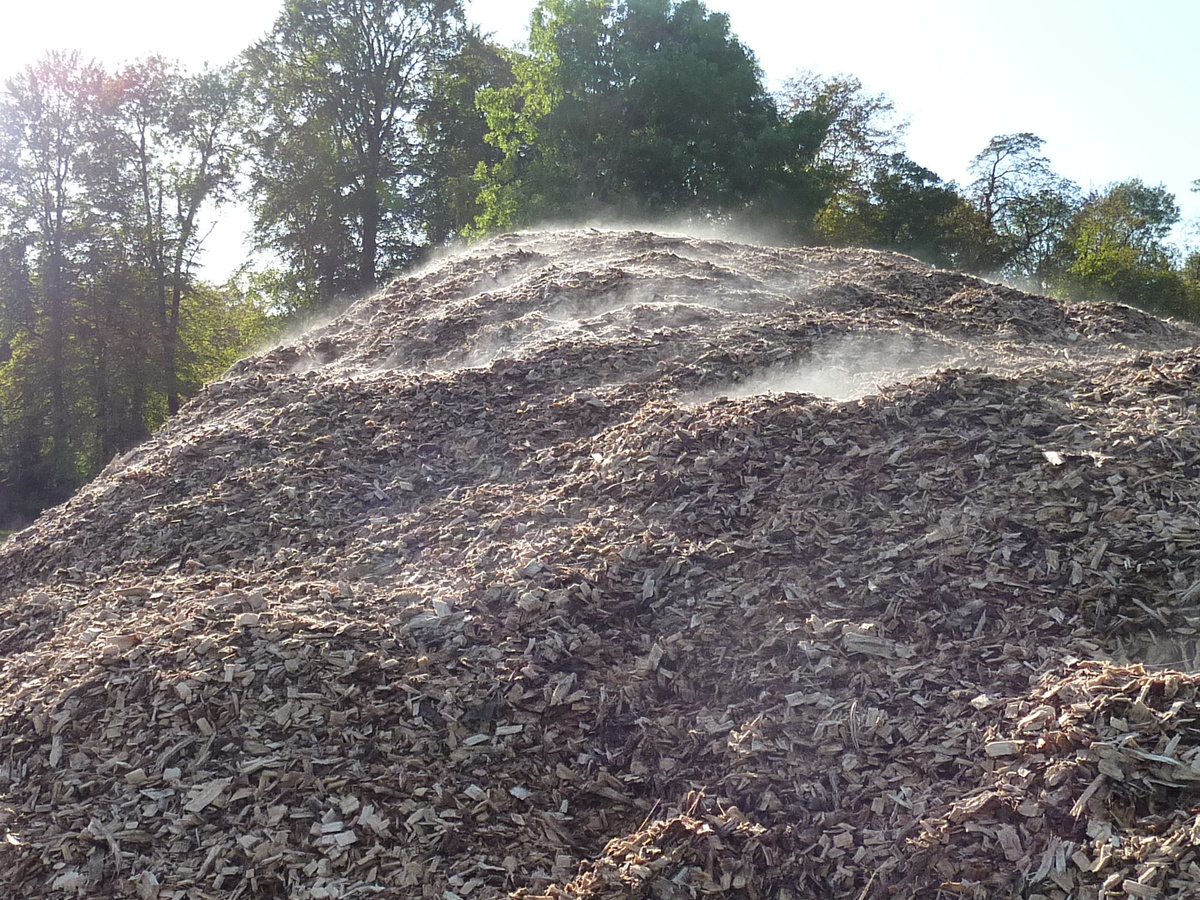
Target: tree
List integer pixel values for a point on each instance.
(176, 136)
(861, 132)
(338, 88)
(693, 106)
(102, 182)
(647, 107)
(47, 124)
(1117, 248)
(905, 207)
(1024, 207)
(1191, 281)
(452, 134)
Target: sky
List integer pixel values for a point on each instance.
(1112, 86)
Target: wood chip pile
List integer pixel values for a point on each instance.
(617, 565)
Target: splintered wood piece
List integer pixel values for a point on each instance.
(205, 794)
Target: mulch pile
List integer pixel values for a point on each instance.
(618, 565)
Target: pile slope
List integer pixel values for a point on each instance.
(613, 564)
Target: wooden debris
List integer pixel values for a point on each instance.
(615, 565)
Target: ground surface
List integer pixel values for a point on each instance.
(611, 564)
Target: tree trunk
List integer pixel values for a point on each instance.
(370, 212)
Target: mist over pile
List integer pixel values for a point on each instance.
(610, 564)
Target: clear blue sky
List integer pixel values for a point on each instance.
(1113, 87)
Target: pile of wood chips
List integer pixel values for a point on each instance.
(616, 565)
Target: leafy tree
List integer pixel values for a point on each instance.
(861, 132)
(1191, 282)
(25, 485)
(905, 207)
(338, 88)
(693, 107)
(648, 107)
(178, 137)
(219, 325)
(1024, 207)
(913, 208)
(521, 184)
(47, 122)
(452, 133)
(102, 182)
(1117, 248)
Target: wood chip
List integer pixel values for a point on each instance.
(206, 794)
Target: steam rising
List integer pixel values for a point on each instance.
(849, 368)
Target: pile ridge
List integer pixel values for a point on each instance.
(609, 564)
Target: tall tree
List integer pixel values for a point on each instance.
(339, 87)
(905, 207)
(48, 121)
(452, 135)
(1117, 248)
(1024, 206)
(102, 181)
(177, 134)
(861, 130)
(645, 107)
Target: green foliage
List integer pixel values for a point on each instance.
(453, 138)
(645, 108)
(1116, 249)
(1191, 275)
(1023, 206)
(103, 177)
(337, 91)
(221, 324)
(906, 208)
(858, 132)
(513, 188)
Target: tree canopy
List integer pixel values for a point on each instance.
(1024, 206)
(336, 91)
(646, 108)
(104, 326)
(1116, 248)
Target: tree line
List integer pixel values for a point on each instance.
(364, 133)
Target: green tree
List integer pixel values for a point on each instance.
(647, 107)
(1191, 282)
(102, 182)
(861, 131)
(174, 141)
(693, 105)
(1116, 249)
(337, 89)
(47, 121)
(1024, 207)
(905, 207)
(452, 134)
